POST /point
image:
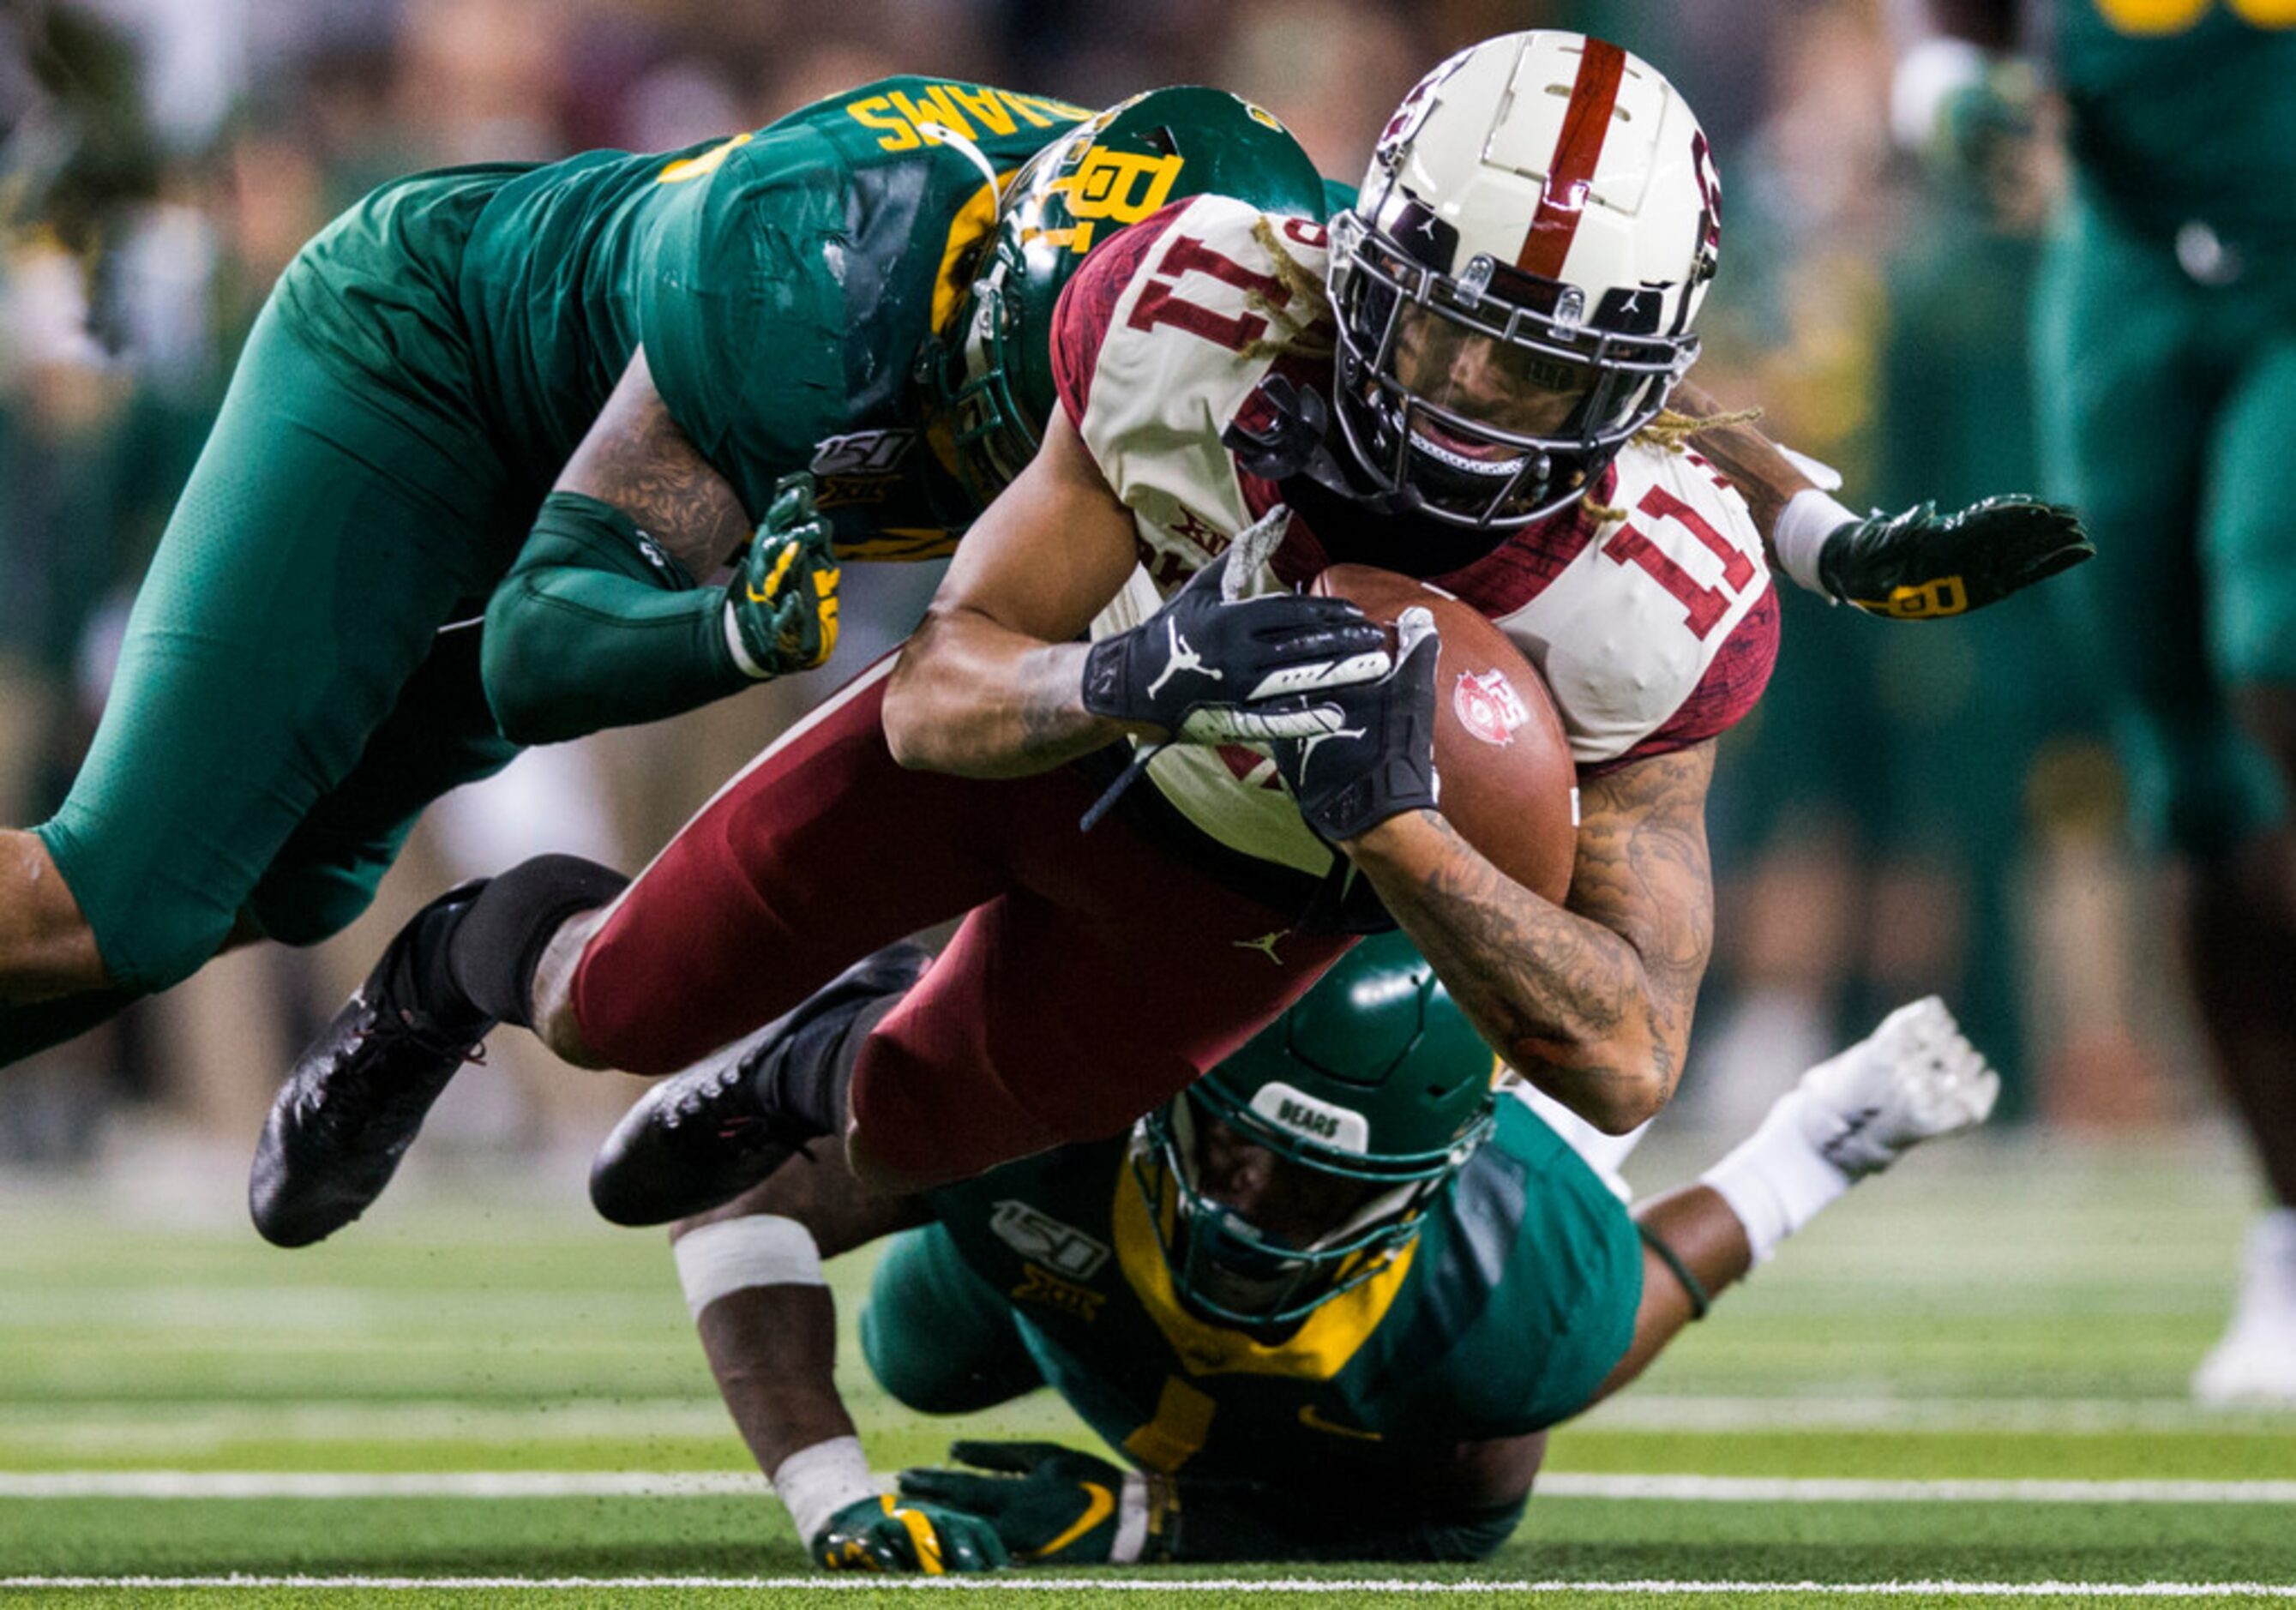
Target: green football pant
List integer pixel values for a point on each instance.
(939, 1338)
(286, 702)
(2166, 408)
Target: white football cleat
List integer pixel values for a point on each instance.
(2256, 1361)
(1913, 1078)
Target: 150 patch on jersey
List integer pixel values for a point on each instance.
(1041, 1238)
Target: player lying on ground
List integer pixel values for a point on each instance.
(1490, 426)
(1322, 1305)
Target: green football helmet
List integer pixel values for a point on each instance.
(1373, 1078)
(988, 370)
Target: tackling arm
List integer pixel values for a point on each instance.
(1591, 1003)
(601, 621)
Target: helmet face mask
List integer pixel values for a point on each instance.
(1366, 1100)
(1494, 354)
(988, 371)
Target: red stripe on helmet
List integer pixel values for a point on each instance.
(1585, 124)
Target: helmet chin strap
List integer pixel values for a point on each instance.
(1354, 525)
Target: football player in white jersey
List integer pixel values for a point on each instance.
(1464, 380)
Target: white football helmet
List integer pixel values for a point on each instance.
(1515, 284)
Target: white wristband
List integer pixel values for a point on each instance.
(817, 1482)
(1131, 1521)
(743, 662)
(735, 1254)
(1809, 517)
(1926, 75)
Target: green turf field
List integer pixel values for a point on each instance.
(1969, 1375)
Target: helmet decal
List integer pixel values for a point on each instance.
(1571, 174)
(1371, 1092)
(987, 371)
(1516, 285)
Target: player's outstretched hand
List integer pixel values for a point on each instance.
(878, 1534)
(1922, 565)
(1380, 761)
(1215, 667)
(780, 607)
(1051, 1504)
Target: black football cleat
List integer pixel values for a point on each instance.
(701, 1138)
(357, 1096)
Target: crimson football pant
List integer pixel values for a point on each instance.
(1094, 975)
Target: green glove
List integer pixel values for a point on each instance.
(877, 1534)
(1922, 565)
(780, 607)
(1050, 1504)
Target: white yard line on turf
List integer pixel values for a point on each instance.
(147, 1484)
(999, 1582)
(126, 1424)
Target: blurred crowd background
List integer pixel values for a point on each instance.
(1914, 809)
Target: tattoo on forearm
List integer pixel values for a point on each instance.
(1624, 963)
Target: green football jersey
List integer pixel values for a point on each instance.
(2186, 109)
(1502, 1317)
(782, 283)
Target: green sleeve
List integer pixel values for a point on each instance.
(595, 627)
(1228, 1520)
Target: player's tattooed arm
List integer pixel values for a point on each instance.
(992, 683)
(637, 458)
(1592, 1002)
(773, 1348)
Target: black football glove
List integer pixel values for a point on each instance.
(1380, 762)
(1049, 1505)
(1922, 565)
(780, 607)
(1214, 667)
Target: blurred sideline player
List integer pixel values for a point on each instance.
(1488, 425)
(1324, 1305)
(2165, 359)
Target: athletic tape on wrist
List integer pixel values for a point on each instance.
(1131, 1521)
(735, 1254)
(1809, 517)
(740, 650)
(817, 1482)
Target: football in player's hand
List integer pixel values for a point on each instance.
(1501, 757)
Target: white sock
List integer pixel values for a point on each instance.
(1776, 1180)
(1809, 517)
(2268, 1262)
